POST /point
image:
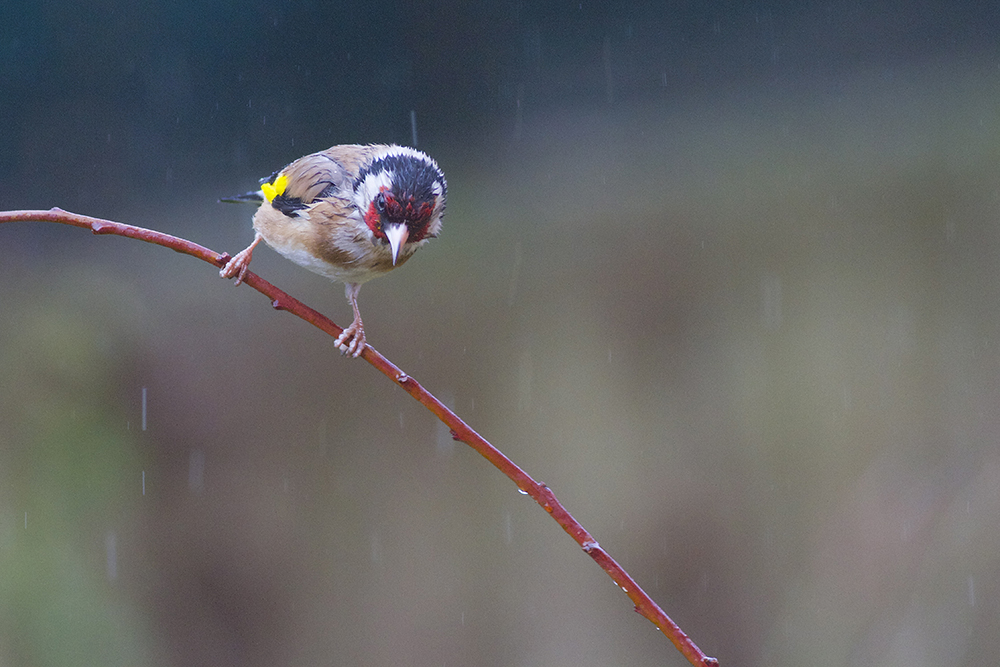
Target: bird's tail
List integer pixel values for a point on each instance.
(255, 197)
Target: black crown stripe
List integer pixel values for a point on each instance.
(413, 176)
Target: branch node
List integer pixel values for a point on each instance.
(590, 545)
(546, 493)
(277, 305)
(403, 378)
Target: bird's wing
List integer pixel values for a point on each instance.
(319, 175)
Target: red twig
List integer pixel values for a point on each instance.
(460, 430)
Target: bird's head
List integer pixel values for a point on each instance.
(401, 194)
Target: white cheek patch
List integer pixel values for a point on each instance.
(370, 187)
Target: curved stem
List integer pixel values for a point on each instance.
(541, 493)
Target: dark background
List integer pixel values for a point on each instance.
(725, 275)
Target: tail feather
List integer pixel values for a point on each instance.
(255, 197)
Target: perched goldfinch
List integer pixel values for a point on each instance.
(350, 213)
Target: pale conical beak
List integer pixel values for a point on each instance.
(397, 235)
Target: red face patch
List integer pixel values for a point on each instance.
(385, 207)
(374, 221)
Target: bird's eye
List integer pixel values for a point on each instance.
(380, 202)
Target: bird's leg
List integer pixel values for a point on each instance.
(352, 340)
(237, 266)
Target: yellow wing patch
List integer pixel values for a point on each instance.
(272, 190)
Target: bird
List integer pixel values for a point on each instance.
(350, 213)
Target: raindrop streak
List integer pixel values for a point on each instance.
(143, 482)
(519, 113)
(413, 126)
(609, 74)
(972, 591)
(143, 408)
(26, 521)
(112, 552)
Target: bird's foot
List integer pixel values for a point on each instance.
(351, 342)
(238, 265)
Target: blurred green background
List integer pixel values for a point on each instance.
(723, 275)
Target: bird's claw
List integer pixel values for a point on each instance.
(237, 266)
(351, 341)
